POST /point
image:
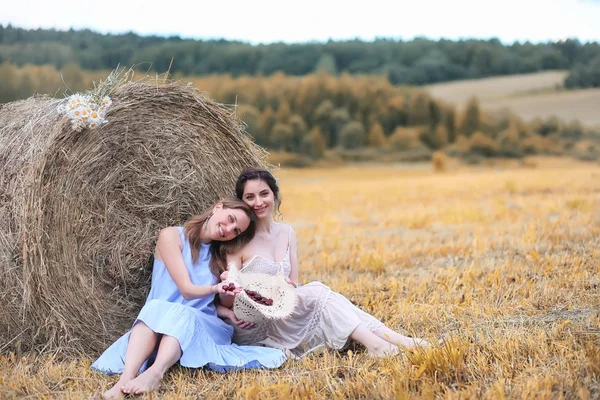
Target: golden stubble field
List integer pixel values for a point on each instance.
(503, 263)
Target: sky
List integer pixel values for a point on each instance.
(267, 21)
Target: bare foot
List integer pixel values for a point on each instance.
(147, 382)
(413, 343)
(114, 393)
(383, 351)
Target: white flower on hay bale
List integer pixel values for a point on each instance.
(84, 112)
(79, 213)
(80, 107)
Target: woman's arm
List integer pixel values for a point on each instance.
(224, 312)
(294, 273)
(226, 299)
(168, 250)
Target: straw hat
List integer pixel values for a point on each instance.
(271, 286)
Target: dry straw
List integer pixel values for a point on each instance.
(79, 212)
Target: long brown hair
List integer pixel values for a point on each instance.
(219, 249)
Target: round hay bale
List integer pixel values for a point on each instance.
(80, 212)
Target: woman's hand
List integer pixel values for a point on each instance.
(219, 288)
(291, 282)
(239, 322)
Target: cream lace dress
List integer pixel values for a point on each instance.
(321, 317)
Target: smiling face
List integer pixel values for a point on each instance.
(259, 196)
(227, 223)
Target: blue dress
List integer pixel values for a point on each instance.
(204, 339)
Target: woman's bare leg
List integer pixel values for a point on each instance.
(375, 345)
(168, 354)
(142, 342)
(391, 336)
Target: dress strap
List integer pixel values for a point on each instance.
(287, 253)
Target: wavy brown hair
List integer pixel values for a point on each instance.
(219, 249)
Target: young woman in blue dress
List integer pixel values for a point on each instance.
(179, 320)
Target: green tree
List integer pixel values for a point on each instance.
(326, 64)
(472, 118)
(404, 138)
(313, 144)
(376, 136)
(281, 137)
(416, 62)
(419, 109)
(283, 112)
(479, 143)
(267, 121)
(435, 114)
(352, 135)
(338, 119)
(450, 124)
(549, 126)
(395, 112)
(251, 117)
(436, 138)
(323, 118)
(509, 142)
(574, 130)
(440, 137)
(299, 130)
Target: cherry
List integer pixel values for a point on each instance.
(229, 288)
(259, 298)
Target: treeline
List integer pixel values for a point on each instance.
(415, 62)
(349, 117)
(584, 75)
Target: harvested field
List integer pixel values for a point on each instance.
(528, 95)
(582, 105)
(504, 263)
(497, 87)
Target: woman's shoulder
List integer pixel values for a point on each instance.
(170, 233)
(171, 230)
(169, 239)
(284, 227)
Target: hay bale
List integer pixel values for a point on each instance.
(80, 212)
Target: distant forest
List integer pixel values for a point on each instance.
(325, 118)
(416, 62)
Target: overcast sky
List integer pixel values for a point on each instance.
(265, 21)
